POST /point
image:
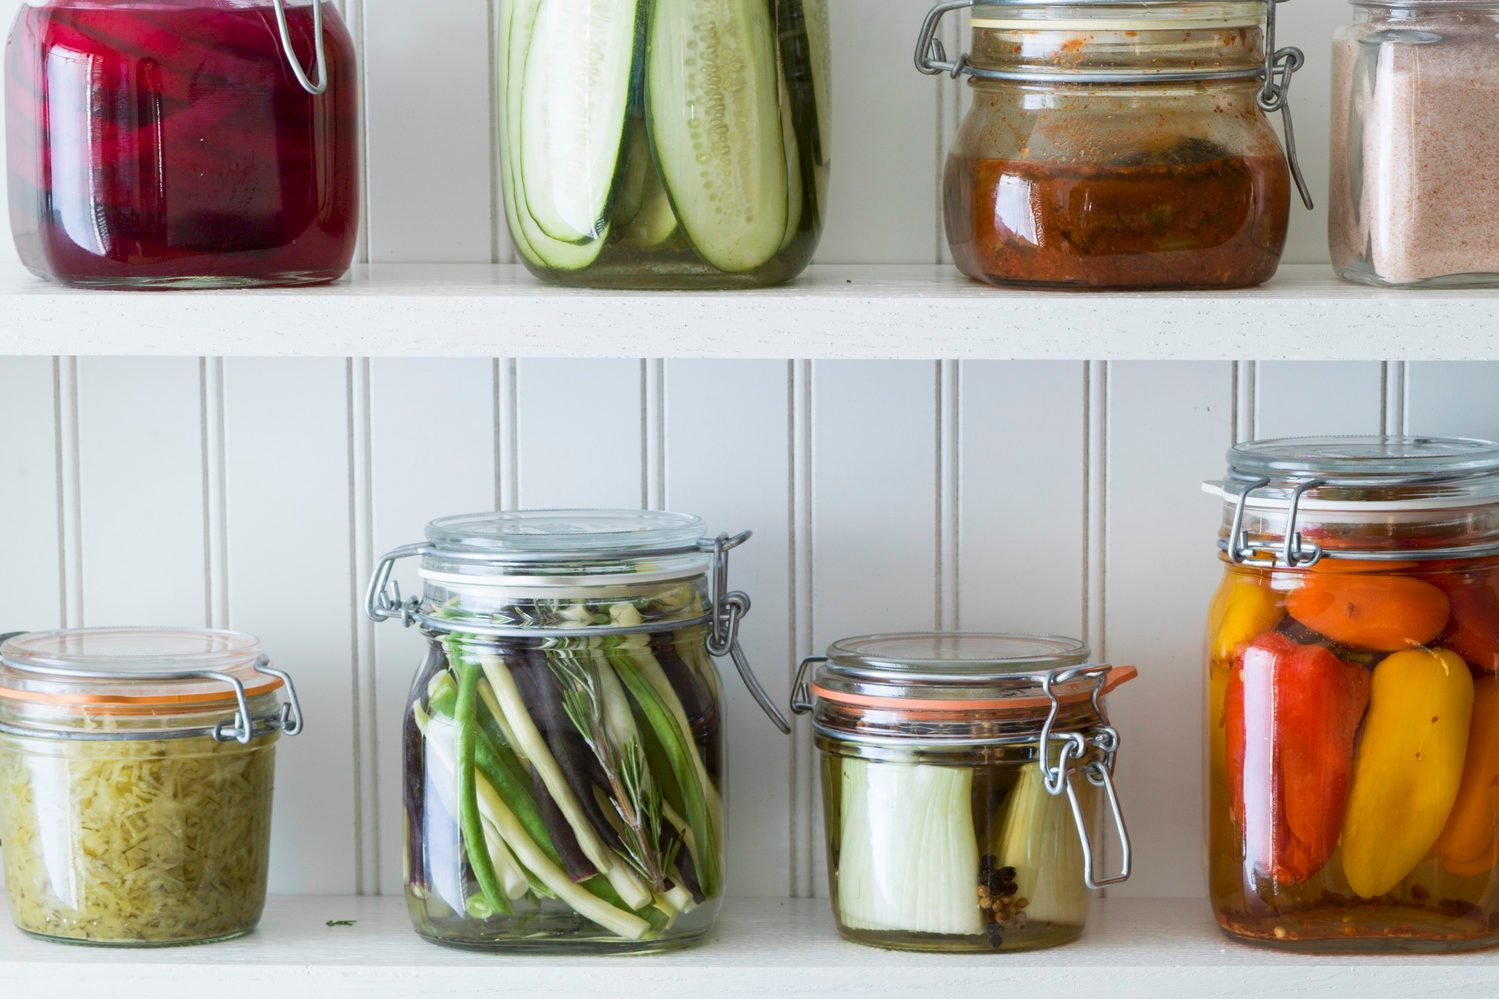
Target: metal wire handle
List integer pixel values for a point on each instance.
(321, 86)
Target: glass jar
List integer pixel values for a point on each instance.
(1118, 144)
(564, 775)
(181, 143)
(1353, 695)
(665, 145)
(1414, 110)
(136, 768)
(958, 786)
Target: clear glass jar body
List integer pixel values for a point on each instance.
(596, 822)
(167, 144)
(145, 842)
(1054, 182)
(945, 848)
(693, 153)
(1415, 105)
(1353, 738)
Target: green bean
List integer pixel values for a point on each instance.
(469, 821)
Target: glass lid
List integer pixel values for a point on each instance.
(1106, 15)
(550, 534)
(140, 666)
(992, 670)
(960, 657)
(1391, 470)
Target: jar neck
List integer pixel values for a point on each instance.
(1078, 48)
(1414, 12)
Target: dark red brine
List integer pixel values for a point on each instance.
(169, 144)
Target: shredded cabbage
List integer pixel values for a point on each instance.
(136, 842)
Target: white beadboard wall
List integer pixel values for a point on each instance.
(1051, 496)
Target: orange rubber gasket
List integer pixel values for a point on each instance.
(1116, 676)
(126, 702)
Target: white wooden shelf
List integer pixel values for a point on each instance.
(762, 947)
(912, 312)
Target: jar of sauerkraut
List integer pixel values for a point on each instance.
(135, 782)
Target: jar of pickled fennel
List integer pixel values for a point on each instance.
(182, 143)
(136, 771)
(1353, 695)
(665, 145)
(1118, 143)
(961, 776)
(564, 744)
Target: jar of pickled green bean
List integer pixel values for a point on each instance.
(564, 743)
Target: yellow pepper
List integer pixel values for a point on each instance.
(1408, 766)
(1243, 608)
(1470, 843)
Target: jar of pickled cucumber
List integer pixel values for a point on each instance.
(960, 780)
(1353, 695)
(564, 743)
(666, 144)
(136, 772)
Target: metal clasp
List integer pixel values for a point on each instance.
(1295, 553)
(801, 687)
(1280, 65)
(382, 600)
(243, 729)
(931, 54)
(1093, 758)
(728, 609)
(315, 89)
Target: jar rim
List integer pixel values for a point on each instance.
(131, 668)
(938, 670)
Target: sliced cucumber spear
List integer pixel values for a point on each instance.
(713, 105)
(542, 250)
(574, 99)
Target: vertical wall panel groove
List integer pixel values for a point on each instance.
(366, 729)
(949, 486)
(215, 513)
(800, 823)
(70, 515)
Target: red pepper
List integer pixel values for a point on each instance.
(1473, 631)
(1290, 715)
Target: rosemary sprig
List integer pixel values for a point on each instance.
(633, 794)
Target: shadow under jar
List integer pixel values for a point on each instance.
(1118, 143)
(182, 143)
(136, 776)
(665, 144)
(1353, 695)
(960, 778)
(564, 744)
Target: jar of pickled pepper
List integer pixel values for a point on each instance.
(1119, 143)
(1353, 695)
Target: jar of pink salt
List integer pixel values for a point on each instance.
(1415, 112)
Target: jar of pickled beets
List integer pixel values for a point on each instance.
(1118, 143)
(182, 143)
(1353, 695)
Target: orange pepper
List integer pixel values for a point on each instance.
(1383, 613)
(1470, 841)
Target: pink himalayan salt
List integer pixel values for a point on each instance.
(1415, 195)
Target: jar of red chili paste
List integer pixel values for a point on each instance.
(1119, 143)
